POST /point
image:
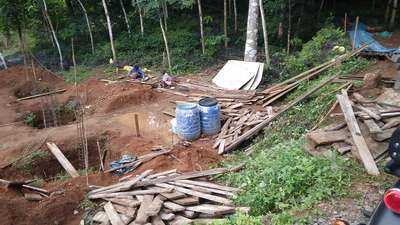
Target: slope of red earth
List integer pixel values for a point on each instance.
(109, 113)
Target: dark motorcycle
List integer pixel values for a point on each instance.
(388, 210)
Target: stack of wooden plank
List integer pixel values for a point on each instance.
(368, 126)
(239, 121)
(278, 90)
(167, 197)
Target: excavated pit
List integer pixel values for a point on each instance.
(42, 164)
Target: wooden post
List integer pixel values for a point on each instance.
(355, 32)
(345, 22)
(137, 125)
(355, 131)
(100, 156)
(62, 160)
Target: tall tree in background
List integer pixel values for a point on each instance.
(226, 22)
(387, 12)
(235, 16)
(203, 46)
(394, 11)
(128, 27)
(110, 33)
(140, 11)
(54, 33)
(250, 52)
(87, 23)
(265, 33)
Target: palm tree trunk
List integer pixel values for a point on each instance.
(250, 52)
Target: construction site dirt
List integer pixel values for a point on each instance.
(109, 121)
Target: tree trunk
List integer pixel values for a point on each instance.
(23, 49)
(166, 45)
(140, 17)
(226, 22)
(289, 27)
(387, 12)
(394, 11)
(165, 12)
(54, 34)
(125, 16)
(321, 7)
(110, 33)
(88, 24)
(235, 16)
(203, 46)
(265, 32)
(250, 52)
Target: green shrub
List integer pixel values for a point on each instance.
(31, 119)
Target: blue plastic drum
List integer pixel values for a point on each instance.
(210, 116)
(188, 121)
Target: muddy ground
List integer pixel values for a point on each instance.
(109, 119)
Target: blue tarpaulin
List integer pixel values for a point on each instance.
(363, 37)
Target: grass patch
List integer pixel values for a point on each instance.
(26, 162)
(83, 72)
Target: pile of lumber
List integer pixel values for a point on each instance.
(165, 198)
(368, 126)
(239, 121)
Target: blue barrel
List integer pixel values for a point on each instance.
(210, 116)
(188, 121)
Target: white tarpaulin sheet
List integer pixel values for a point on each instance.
(237, 75)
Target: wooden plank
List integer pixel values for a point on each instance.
(123, 186)
(210, 185)
(171, 196)
(355, 131)
(142, 216)
(190, 214)
(253, 131)
(221, 148)
(167, 216)
(33, 197)
(187, 201)
(112, 214)
(214, 210)
(372, 126)
(156, 220)
(42, 94)
(369, 112)
(62, 160)
(202, 189)
(124, 202)
(184, 176)
(101, 217)
(168, 172)
(130, 193)
(180, 220)
(199, 194)
(155, 206)
(127, 211)
(174, 207)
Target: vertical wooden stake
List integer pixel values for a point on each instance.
(137, 125)
(100, 156)
(355, 32)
